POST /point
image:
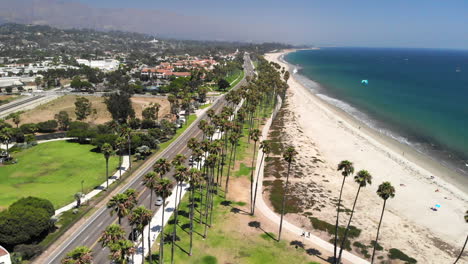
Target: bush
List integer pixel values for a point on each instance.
(398, 254)
(148, 123)
(47, 126)
(36, 203)
(377, 247)
(101, 139)
(28, 251)
(28, 128)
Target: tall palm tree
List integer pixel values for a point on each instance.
(180, 176)
(255, 136)
(126, 131)
(107, 150)
(178, 160)
(150, 180)
(79, 255)
(162, 166)
(111, 234)
(132, 195)
(120, 145)
(210, 164)
(6, 135)
(121, 250)
(362, 178)
(163, 189)
(466, 240)
(233, 139)
(195, 178)
(346, 167)
(120, 205)
(265, 146)
(289, 156)
(139, 218)
(385, 191)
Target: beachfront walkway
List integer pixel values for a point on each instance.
(267, 212)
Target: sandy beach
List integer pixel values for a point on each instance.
(319, 130)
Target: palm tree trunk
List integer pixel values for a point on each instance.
(336, 225)
(212, 198)
(143, 248)
(284, 202)
(149, 242)
(251, 178)
(192, 208)
(120, 166)
(175, 225)
(229, 172)
(256, 185)
(161, 243)
(207, 204)
(378, 229)
(107, 173)
(235, 152)
(461, 252)
(129, 151)
(347, 227)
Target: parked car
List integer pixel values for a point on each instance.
(159, 201)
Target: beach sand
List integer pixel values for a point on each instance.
(319, 130)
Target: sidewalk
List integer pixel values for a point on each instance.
(122, 169)
(267, 212)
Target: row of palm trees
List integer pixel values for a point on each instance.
(207, 179)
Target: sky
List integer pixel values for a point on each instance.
(365, 23)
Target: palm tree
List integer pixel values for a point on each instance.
(107, 150)
(126, 131)
(180, 176)
(111, 234)
(139, 218)
(162, 166)
(196, 178)
(163, 189)
(121, 250)
(120, 145)
(132, 195)
(119, 204)
(79, 255)
(233, 139)
(149, 180)
(466, 240)
(385, 191)
(288, 156)
(265, 145)
(178, 160)
(255, 136)
(210, 164)
(362, 178)
(6, 135)
(347, 169)
(78, 197)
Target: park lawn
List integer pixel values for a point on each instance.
(53, 171)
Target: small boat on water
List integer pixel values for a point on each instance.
(295, 71)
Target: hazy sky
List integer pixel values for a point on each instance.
(396, 23)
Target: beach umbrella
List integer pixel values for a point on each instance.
(365, 82)
(437, 205)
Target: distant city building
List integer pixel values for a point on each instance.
(4, 256)
(105, 65)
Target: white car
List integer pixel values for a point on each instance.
(159, 201)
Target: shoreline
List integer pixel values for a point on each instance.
(323, 127)
(411, 154)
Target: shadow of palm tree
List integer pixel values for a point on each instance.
(258, 225)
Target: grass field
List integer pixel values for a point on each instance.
(54, 171)
(235, 78)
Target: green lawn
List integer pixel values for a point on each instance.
(53, 171)
(234, 79)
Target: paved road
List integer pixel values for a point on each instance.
(89, 233)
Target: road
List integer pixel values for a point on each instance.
(89, 233)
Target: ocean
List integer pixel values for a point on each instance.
(416, 96)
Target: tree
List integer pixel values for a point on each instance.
(63, 120)
(196, 178)
(150, 180)
(15, 117)
(265, 146)
(162, 166)
(120, 204)
(362, 178)
(107, 151)
(466, 240)
(255, 136)
(79, 255)
(111, 234)
(346, 167)
(223, 84)
(121, 250)
(120, 145)
(6, 134)
(82, 108)
(385, 191)
(151, 112)
(180, 176)
(163, 189)
(78, 197)
(38, 81)
(120, 106)
(140, 218)
(289, 156)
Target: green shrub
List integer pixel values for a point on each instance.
(377, 247)
(398, 254)
(359, 244)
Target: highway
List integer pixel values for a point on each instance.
(89, 233)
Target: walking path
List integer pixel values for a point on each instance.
(267, 212)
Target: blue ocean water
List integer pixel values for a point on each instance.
(417, 96)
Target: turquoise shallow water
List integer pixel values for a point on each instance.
(417, 96)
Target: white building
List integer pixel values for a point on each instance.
(105, 65)
(4, 256)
